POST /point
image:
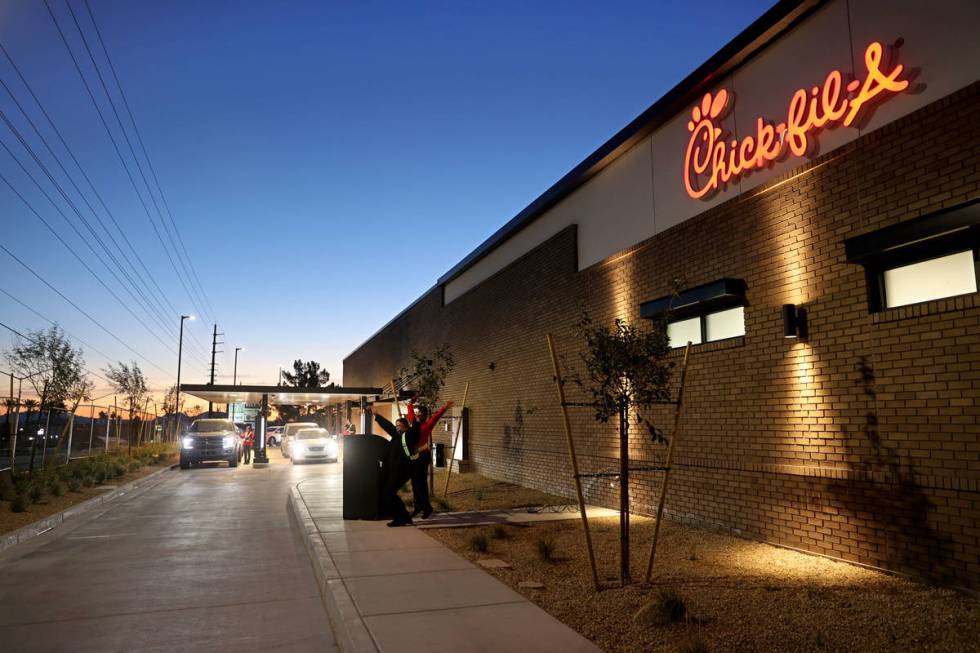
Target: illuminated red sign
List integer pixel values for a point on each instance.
(713, 158)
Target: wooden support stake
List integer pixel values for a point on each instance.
(395, 391)
(574, 460)
(670, 457)
(452, 452)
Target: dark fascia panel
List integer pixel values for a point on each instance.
(783, 15)
(869, 246)
(723, 293)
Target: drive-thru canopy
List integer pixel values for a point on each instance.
(271, 395)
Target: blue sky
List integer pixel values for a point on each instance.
(325, 162)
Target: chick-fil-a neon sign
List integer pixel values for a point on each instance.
(712, 159)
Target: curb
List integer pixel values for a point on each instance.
(350, 633)
(45, 524)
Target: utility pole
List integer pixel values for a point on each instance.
(214, 352)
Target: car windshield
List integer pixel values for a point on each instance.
(212, 426)
(312, 434)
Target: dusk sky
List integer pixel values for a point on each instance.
(324, 162)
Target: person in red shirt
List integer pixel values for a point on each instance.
(248, 441)
(420, 465)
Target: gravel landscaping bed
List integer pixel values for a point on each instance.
(473, 491)
(712, 592)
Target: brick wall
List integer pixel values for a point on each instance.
(862, 443)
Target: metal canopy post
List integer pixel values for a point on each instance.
(260, 456)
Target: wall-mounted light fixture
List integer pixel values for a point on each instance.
(794, 321)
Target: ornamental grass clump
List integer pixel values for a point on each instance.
(36, 492)
(546, 549)
(499, 532)
(479, 542)
(74, 485)
(20, 503)
(667, 608)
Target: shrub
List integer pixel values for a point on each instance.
(546, 549)
(134, 465)
(58, 489)
(74, 484)
(20, 503)
(479, 542)
(670, 607)
(22, 484)
(118, 469)
(443, 503)
(7, 491)
(499, 532)
(88, 481)
(36, 493)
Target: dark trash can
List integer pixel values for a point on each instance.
(440, 455)
(363, 476)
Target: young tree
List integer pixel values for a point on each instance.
(128, 380)
(427, 375)
(304, 375)
(53, 367)
(628, 373)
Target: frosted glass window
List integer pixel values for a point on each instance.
(946, 276)
(684, 331)
(725, 324)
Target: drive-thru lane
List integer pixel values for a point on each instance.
(205, 560)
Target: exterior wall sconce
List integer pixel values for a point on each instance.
(794, 322)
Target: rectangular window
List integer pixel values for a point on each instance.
(946, 276)
(709, 327)
(919, 260)
(725, 324)
(684, 331)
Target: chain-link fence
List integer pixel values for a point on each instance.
(32, 438)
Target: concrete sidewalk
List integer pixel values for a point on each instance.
(398, 590)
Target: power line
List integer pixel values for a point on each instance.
(50, 321)
(115, 144)
(78, 165)
(146, 155)
(129, 144)
(80, 309)
(32, 340)
(145, 305)
(81, 237)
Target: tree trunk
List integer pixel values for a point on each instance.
(44, 397)
(624, 494)
(130, 427)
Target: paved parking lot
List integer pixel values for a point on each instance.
(204, 560)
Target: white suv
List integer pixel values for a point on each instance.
(289, 434)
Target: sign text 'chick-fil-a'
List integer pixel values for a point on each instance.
(713, 158)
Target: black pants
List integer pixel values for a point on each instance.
(248, 454)
(395, 477)
(420, 481)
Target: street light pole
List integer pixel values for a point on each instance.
(180, 351)
(234, 375)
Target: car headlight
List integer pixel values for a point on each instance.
(188, 443)
(228, 441)
(331, 448)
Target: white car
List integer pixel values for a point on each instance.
(311, 445)
(289, 433)
(273, 435)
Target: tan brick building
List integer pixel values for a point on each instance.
(860, 440)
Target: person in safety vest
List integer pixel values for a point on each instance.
(398, 468)
(248, 441)
(420, 465)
